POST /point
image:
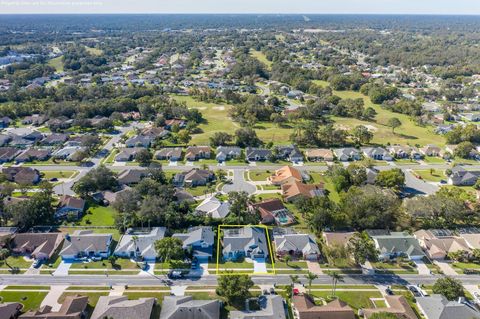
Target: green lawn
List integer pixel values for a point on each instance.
(15, 261)
(433, 160)
(321, 83)
(121, 264)
(97, 215)
(29, 299)
(94, 51)
(436, 175)
(461, 267)
(260, 56)
(260, 176)
(355, 299)
(57, 63)
(58, 174)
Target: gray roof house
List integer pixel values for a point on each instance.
(438, 307)
(139, 141)
(461, 177)
(257, 154)
(85, 243)
(128, 154)
(184, 307)
(173, 154)
(142, 246)
(227, 152)
(200, 240)
(7, 154)
(290, 153)
(297, 245)
(67, 152)
(194, 177)
(271, 307)
(243, 242)
(347, 154)
(213, 207)
(119, 307)
(131, 176)
(395, 244)
(377, 153)
(55, 139)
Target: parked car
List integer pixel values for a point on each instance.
(389, 291)
(173, 274)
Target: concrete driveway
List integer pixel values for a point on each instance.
(239, 184)
(259, 266)
(422, 268)
(418, 186)
(62, 269)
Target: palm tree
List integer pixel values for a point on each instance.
(4, 253)
(310, 276)
(335, 278)
(294, 279)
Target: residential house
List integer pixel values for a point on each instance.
(40, 246)
(431, 150)
(471, 235)
(22, 175)
(473, 117)
(131, 176)
(396, 305)
(7, 154)
(5, 122)
(70, 206)
(185, 307)
(26, 133)
(272, 211)
(6, 234)
(461, 177)
(175, 122)
(403, 152)
(20, 142)
(4, 139)
(295, 190)
(128, 154)
(243, 242)
(271, 307)
(10, 310)
(377, 153)
(139, 244)
(73, 307)
(290, 153)
(34, 119)
(193, 178)
(319, 155)
(225, 153)
(120, 307)
(439, 245)
(198, 240)
(301, 246)
(86, 243)
(194, 153)
(439, 307)
(69, 153)
(33, 154)
(213, 207)
(284, 175)
(139, 141)
(338, 239)
(398, 244)
(173, 154)
(55, 139)
(154, 132)
(304, 307)
(257, 154)
(347, 154)
(372, 174)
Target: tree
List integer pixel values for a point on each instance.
(143, 157)
(336, 277)
(394, 123)
(112, 259)
(450, 287)
(361, 135)
(310, 276)
(245, 137)
(287, 259)
(169, 248)
(234, 288)
(97, 179)
(220, 139)
(394, 178)
(221, 175)
(464, 149)
(362, 248)
(184, 136)
(4, 253)
(294, 279)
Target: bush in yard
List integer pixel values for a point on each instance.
(450, 287)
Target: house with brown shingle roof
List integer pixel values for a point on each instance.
(272, 211)
(10, 310)
(439, 243)
(74, 307)
(319, 155)
(285, 175)
(396, 305)
(194, 153)
(305, 308)
(22, 175)
(296, 190)
(70, 206)
(33, 154)
(337, 238)
(40, 246)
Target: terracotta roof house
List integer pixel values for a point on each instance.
(33, 154)
(74, 307)
(142, 247)
(296, 190)
(199, 240)
(119, 307)
(40, 246)
(337, 238)
(84, 243)
(301, 246)
(10, 310)
(22, 175)
(70, 206)
(194, 177)
(271, 307)
(319, 155)
(131, 176)
(242, 242)
(213, 207)
(396, 305)
(439, 248)
(194, 153)
(284, 175)
(305, 308)
(272, 211)
(172, 154)
(176, 307)
(438, 307)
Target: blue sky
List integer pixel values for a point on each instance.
(242, 6)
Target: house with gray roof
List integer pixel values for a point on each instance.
(185, 307)
(377, 153)
(33, 154)
(55, 139)
(139, 141)
(253, 154)
(461, 177)
(128, 154)
(194, 177)
(301, 246)
(139, 244)
(86, 243)
(250, 242)
(271, 307)
(347, 154)
(213, 207)
(131, 176)
(225, 153)
(439, 307)
(7, 154)
(68, 152)
(119, 307)
(199, 240)
(290, 153)
(398, 244)
(173, 154)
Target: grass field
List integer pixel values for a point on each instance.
(321, 83)
(98, 216)
(94, 51)
(15, 261)
(29, 299)
(408, 133)
(57, 63)
(260, 56)
(58, 174)
(259, 176)
(355, 299)
(435, 175)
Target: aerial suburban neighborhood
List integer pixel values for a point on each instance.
(296, 166)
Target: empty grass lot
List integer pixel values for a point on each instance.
(97, 215)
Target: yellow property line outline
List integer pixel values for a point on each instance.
(269, 245)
